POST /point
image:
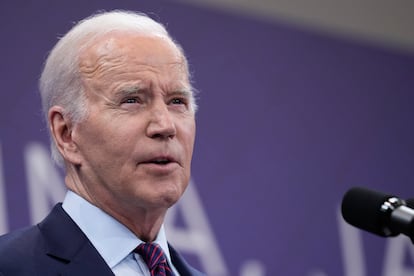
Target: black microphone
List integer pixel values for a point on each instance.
(378, 213)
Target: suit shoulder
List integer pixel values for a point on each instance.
(181, 265)
(19, 244)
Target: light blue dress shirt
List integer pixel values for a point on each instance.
(114, 242)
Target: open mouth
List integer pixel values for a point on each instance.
(161, 161)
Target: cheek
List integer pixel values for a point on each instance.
(103, 138)
(188, 131)
(189, 144)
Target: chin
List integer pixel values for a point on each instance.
(164, 194)
(169, 198)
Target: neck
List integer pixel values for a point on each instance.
(145, 223)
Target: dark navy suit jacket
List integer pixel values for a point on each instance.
(57, 246)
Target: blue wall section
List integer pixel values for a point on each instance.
(288, 121)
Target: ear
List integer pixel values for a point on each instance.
(61, 129)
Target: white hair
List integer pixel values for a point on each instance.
(60, 82)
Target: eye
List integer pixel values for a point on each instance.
(130, 101)
(179, 101)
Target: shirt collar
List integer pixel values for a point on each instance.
(112, 240)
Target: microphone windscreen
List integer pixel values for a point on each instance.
(361, 208)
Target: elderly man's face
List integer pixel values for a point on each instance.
(137, 141)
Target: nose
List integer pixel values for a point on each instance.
(161, 124)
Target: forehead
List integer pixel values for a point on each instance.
(117, 49)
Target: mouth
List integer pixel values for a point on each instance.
(162, 161)
(160, 165)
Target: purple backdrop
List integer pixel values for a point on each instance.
(288, 121)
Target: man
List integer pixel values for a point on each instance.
(120, 109)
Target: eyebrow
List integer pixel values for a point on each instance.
(136, 89)
(129, 90)
(187, 93)
(126, 91)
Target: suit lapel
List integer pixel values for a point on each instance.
(66, 243)
(181, 265)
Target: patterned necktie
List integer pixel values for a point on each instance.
(155, 259)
